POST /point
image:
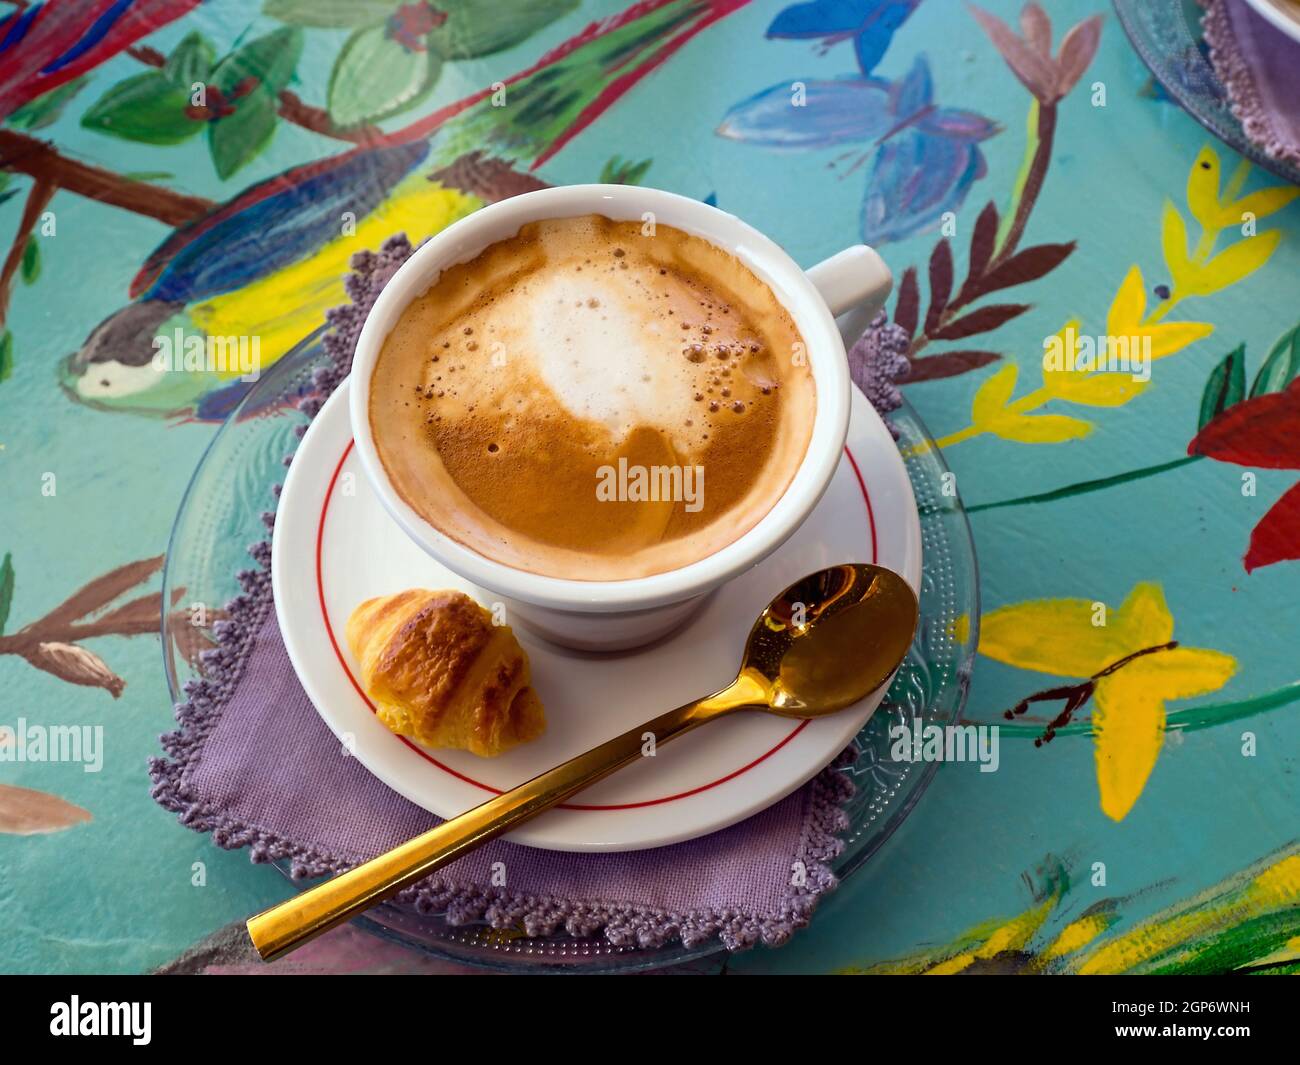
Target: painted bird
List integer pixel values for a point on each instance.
(272, 260)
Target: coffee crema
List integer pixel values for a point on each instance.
(590, 401)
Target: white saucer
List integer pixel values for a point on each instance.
(335, 546)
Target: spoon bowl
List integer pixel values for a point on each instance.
(825, 642)
(831, 639)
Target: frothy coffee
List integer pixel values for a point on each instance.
(593, 401)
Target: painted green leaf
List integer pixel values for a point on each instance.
(618, 171)
(190, 61)
(235, 139)
(1281, 366)
(6, 355)
(1226, 386)
(474, 29)
(46, 109)
(331, 14)
(144, 107)
(270, 60)
(6, 585)
(31, 264)
(375, 76)
(250, 80)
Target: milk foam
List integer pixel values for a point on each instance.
(602, 353)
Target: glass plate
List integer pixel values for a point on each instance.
(220, 517)
(1167, 36)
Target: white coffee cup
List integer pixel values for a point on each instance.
(617, 614)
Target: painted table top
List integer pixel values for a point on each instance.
(1138, 533)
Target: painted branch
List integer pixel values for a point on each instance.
(296, 110)
(1122, 662)
(26, 640)
(1024, 208)
(1033, 185)
(42, 161)
(1082, 487)
(37, 198)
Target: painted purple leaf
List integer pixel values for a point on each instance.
(834, 111)
(908, 307)
(940, 283)
(983, 320)
(949, 364)
(982, 239)
(1028, 264)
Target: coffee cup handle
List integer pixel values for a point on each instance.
(855, 284)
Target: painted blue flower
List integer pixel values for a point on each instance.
(870, 24)
(925, 157)
(812, 114)
(925, 165)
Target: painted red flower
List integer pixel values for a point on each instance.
(1264, 432)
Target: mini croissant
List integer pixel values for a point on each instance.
(439, 671)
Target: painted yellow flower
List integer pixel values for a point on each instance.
(1086, 387)
(1197, 271)
(1196, 277)
(1131, 666)
(1128, 318)
(1194, 271)
(993, 411)
(1215, 211)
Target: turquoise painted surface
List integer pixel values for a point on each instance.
(115, 894)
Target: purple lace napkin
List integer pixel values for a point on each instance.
(253, 764)
(1260, 67)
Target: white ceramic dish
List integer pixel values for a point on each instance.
(336, 545)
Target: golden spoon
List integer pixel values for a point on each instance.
(821, 645)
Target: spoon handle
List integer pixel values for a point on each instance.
(290, 924)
